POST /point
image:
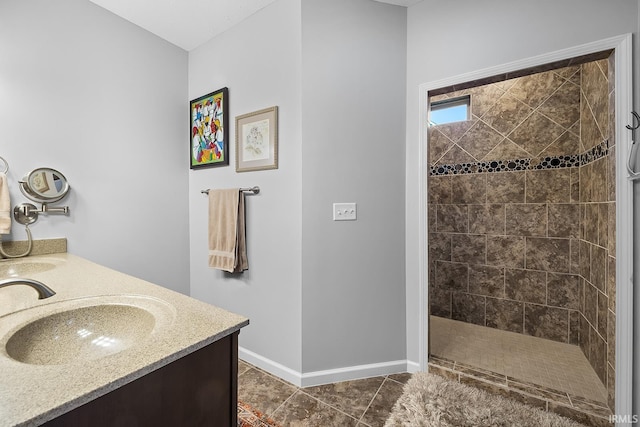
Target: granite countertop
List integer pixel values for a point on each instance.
(31, 394)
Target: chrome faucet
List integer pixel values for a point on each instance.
(43, 290)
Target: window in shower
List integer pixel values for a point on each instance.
(449, 110)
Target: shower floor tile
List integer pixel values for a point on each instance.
(539, 361)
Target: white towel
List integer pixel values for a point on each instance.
(227, 248)
(5, 205)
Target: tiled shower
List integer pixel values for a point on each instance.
(521, 208)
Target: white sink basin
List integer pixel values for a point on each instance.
(82, 330)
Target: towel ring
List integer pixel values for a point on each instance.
(6, 165)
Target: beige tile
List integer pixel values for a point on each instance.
(525, 358)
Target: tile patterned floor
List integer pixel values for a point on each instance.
(530, 359)
(359, 403)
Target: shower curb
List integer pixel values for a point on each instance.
(585, 411)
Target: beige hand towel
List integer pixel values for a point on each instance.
(5, 205)
(227, 248)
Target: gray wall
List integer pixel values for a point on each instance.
(518, 30)
(353, 88)
(320, 294)
(259, 61)
(103, 101)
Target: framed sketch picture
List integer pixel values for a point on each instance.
(209, 130)
(257, 140)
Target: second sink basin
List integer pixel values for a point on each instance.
(84, 329)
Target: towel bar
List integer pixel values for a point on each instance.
(254, 190)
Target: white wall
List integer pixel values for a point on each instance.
(259, 61)
(353, 91)
(447, 39)
(105, 102)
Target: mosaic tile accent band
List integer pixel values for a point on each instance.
(556, 162)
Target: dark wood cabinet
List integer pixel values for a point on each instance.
(200, 389)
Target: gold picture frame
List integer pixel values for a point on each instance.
(257, 140)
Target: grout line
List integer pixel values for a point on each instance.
(283, 403)
(327, 404)
(371, 401)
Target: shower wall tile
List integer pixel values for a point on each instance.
(469, 248)
(526, 219)
(505, 314)
(439, 302)
(480, 140)
(599, 190)
(586, 183)
(563, 290)
(439, 189)
(584, 336)
(611, 173)
(575, 185)
(548, 186)
(591, 304)
(486, 280)
(591, 222)
(507, 114)
(469, 189)
(454, 131)
(438, 144)
(487, 219)
(585, 259)
(452, 276)
(536, 133)
(597, 354)
(455, 155)
(468, 308)
(603, 224)
(611, 338)
(603, 317)
(574, 327)
(595, 87)
(536, 88)
(567, 143)
(611, 227)
(506, 150)
(505, 251)
(589, 132)
(528, 245)
(484, 97)
(575, 256)
(546, 322)
(453, 218)
(506, 187)
(564, 220)
(547, 254)
(611, 283)
(563, 107)
(598, 267)
(526, 285)
(611, 386)
(440, 247)
(431, 217)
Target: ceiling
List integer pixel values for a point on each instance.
(187, 23)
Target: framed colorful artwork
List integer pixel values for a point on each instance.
(209, 130)
(257, 140)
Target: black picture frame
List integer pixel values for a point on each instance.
(208, 122)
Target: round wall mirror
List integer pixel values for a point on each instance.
(44, 185)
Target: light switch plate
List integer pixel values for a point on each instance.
(344, 212)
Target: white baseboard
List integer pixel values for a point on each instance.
(330, 375)
(275, 368)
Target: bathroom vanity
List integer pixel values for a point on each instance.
(111, 349)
